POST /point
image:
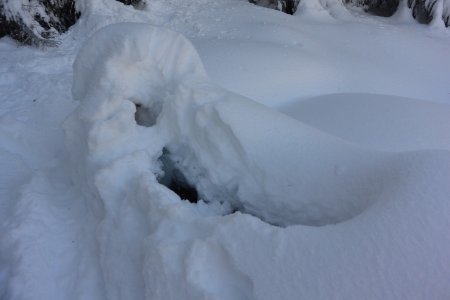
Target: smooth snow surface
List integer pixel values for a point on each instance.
(383, 122)
(328, 187)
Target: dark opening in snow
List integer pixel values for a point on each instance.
(175, 180)
(184, 190)
(173, 177)
(146, 116)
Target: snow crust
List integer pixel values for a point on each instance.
(340, 194)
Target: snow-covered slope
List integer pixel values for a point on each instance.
(347, 200)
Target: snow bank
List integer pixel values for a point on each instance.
(147, 109)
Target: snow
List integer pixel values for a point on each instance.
(333, 184)
(384, 122)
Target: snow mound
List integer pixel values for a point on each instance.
(149, 116)
(132, 74)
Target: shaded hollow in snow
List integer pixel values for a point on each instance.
(146, 116)
(174, 179)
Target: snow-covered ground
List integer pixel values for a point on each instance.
(318, 144)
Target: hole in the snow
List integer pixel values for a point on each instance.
(174, 179)
(146, 116)
(184, 190)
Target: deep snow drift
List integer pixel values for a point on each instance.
(341, 195)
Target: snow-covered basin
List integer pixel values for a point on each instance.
(144, 92)
(383, 122)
